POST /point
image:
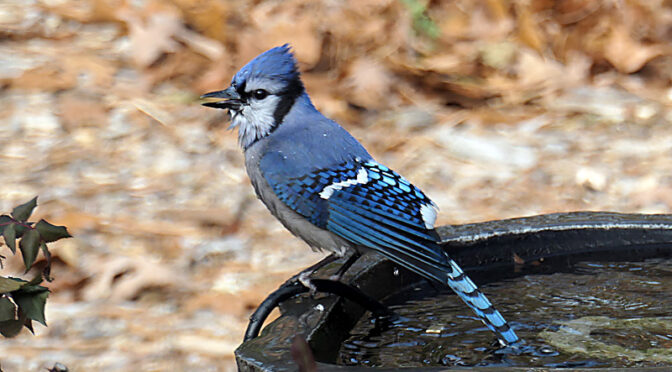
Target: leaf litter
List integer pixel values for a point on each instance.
(99, 117)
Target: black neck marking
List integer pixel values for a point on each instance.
(287, 99)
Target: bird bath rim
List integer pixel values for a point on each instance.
(488, 252)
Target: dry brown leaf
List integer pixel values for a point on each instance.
(217, 76)
(546, 75)
(498, 55)
(452, 21)
(627, 54)
(301, 32)
(469, 89)
(122, 278)
(483, 26)
(368, 83)
(200, 44)
(152, 37)
(131, 226)
(529, 31)
(303, 36)
(46, 78)
(183, 64)
(447, 63)
(84, 11)
(498, 9)
(320, 88)
(80, 110)
(573, 11)
(102, 71)
(211, 18)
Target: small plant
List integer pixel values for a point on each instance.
(422, 23)
(22, 301)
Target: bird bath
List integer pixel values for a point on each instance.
(585, 289)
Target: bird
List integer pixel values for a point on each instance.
(324, 186)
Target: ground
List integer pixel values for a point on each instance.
(494, 109)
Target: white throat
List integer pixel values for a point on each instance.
(255, 120)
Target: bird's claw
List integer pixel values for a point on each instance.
(304, 278)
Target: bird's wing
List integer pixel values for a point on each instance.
(374, 207)
(369, 205)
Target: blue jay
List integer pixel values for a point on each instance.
(325, 188)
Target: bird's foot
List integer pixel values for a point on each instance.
(304, 278)
(308, 271)
(346, 265)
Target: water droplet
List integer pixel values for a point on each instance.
(449, 359)
(435, 329)
(546, 350)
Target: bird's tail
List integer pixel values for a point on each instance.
(451, 274)
(459, 282)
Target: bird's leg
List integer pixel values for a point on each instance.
(346, 265)
(304, 275)
(304, 278)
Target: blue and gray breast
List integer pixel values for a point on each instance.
(307, 141)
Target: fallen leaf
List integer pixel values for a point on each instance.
(368, 83)
(528, 29)
(152, 37)
(123, 278)
(78, 109)
(277, 24)
(46, 78)
(627, 54)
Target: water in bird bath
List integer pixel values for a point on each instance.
(597, 315)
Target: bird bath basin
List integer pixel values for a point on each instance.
(584, 290)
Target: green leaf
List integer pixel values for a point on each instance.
(23, 211)
(20, 229)
(11, 328)
(46, 272)
(28, 323)
(7, 309)
(4, 221)
(33, 283)
(10, 284)
(10, 237)
(29, 245)
(32, 303)
(51, 233)
(28, 288)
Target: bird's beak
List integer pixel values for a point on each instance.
(222, 99)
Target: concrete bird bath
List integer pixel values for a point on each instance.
(536, 249)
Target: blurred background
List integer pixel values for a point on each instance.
(496, 109)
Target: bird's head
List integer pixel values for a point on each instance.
(260, 95)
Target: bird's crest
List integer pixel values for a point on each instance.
(275, 64)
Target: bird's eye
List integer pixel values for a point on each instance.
(260, 94)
